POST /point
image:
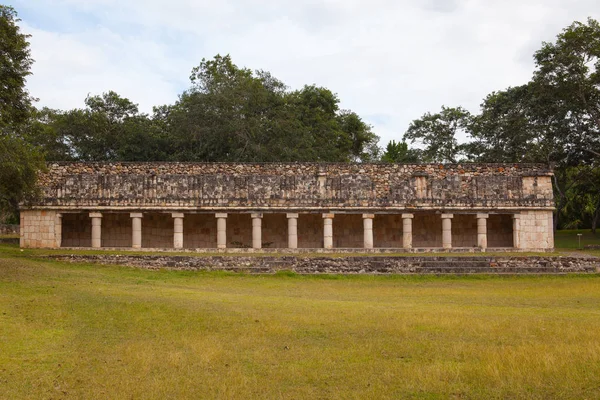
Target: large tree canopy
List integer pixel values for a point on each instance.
(15, 63)
(568, 71)
(555, 117)
(228, 114)
(437, 133)
(19, 161)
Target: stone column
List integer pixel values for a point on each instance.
(177, 230)
(256, 230)
(482, 230)
(516, 231)
(368, 230)
(407, 230)
(292, 231)
(328, 231)
(447, 230)
(221, 230)
(96, 229)
(550, 231)
(136, 230)
(58, 230)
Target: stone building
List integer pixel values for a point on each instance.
(416, 207)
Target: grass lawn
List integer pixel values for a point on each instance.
(568, 239)
(88, 331)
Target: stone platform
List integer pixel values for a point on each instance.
(349, 264)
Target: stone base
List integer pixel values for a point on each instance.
(350, 265)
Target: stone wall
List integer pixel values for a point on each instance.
(310, 231)
(387, 230)
(200, 231)
(464, 231)
(295, 186)
(500, 231)
(40, 229)
(537, 229)
(427, 230)
(352, 265)
(77, 230)
(116, 230)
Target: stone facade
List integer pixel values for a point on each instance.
(293, 205)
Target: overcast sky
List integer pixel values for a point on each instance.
(389, 61)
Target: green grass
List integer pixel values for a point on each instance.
(568, 239)
(88, 331)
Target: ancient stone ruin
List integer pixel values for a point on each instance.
(379, 207)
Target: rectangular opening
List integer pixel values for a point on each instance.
(274, 231)
(239, 231)
(76, 230)
(116, 230)
(310, 231)
(157, 230)
(200, 231)
(427, 230)
(500, 230)
(464, 230)
(348, 231)
(387, 230)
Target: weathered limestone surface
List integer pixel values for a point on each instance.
(295, 185)
(333, 206)
(40, 229)
(352, 265)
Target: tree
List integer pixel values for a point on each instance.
(503, 131)
(235, 114)
(109, 128)
(568, 72)
(19, 164)
(19, 161)
(400, 153)
(229, 114)
(363, 141)
(438, 133)
(15, 64)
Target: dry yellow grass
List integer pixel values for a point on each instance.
(83, 331)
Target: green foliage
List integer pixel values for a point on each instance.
(110, 128)
(400, 153)
(19, 161)
(15, 62)
(568, 72)
(438, 133)
(234, 114)
(228, 114)
(581, 207)
(553, 118)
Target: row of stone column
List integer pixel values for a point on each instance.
(407, 242)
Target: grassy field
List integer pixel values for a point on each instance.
(568, 239)
(83, 331)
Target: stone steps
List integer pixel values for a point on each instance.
(351, 265)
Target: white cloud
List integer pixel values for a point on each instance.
(390, 61)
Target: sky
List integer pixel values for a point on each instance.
(388, 61)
